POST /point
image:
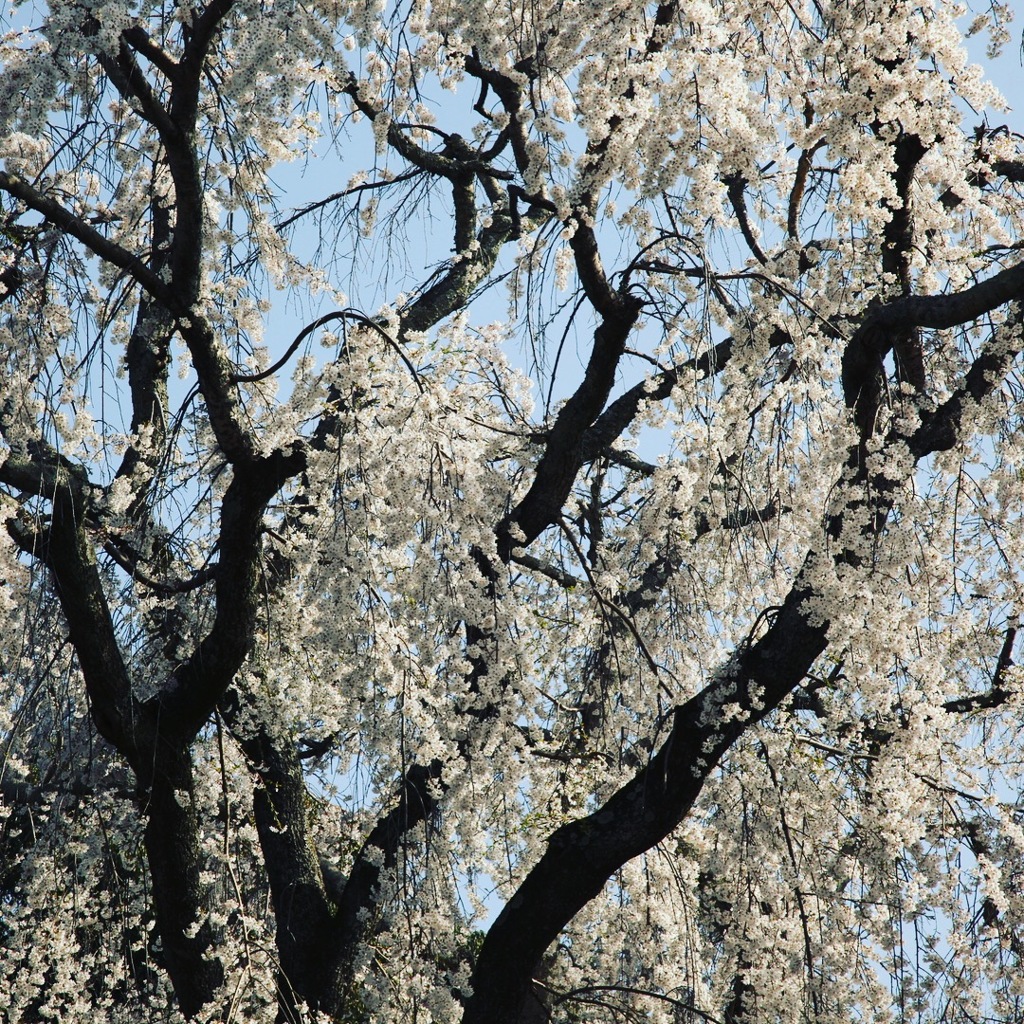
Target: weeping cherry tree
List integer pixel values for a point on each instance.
(511, 512)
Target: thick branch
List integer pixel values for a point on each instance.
(182, 159)
(143, 43)
(69, 555)
(175, 864)
(934, 312)
(864, 357)
(582, 855)
(736, 186)
(943, 428)
(200, 36)
(162, 767)
(198, 686)
(303, 913)
(941, 312)
(510, 92)
(132, 84)
(456, 285)
(216, 378)
(564, 454)
(147, 358)
(91, 238)
(897, 252)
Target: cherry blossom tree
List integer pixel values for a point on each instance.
(513, 512)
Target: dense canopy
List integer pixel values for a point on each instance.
(512, 512)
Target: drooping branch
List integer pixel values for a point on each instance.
(334, 197)
(327, 318)
(130, 562)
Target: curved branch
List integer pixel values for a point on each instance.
(327, 318)
(683, 1006)
(130, 565)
